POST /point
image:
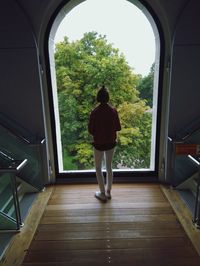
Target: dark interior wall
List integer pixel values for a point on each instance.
(39, 13)
(20, 77)
(185, 75)
(184, 90)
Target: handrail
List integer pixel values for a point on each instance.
(190, 134)
(170, 139)
(15, 133)
(189, 129)
(12, 170)
(7, 216)
(183, 139)
(194, 160)
(11, 125)
(173, 140)
(15, 166)
(196, 217)
(6, 156)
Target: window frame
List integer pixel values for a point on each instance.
(137, 175)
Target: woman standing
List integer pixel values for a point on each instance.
(103, 125)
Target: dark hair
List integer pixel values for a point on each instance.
(103, 95)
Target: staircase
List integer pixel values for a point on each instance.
(185, 165)
(22, 169)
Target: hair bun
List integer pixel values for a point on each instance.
(103, 95)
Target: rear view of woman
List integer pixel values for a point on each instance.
(103, 124)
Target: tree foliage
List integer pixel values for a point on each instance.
(82, 67)
(145, 87)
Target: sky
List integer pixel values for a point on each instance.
(124, 25)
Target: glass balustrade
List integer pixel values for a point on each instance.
(19, 149)
(10, 218)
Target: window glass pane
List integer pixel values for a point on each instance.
(84, 61)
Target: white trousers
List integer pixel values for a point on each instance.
(98, 159)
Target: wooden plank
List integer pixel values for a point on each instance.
(132, 190)
(137, 262)
(143, 191)
(114, 254)
(110, 204)
(95, 212)
(90, 187)
(126, 199)
(108, 234)
(113, 219)
(114, 243)
(116, 192)
(119, 186)
(115, 226)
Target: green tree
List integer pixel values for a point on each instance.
(145, 87)
(81, 68)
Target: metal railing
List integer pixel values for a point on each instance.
(187, 143)
(189, 130)
(16, 129)
(196, 217)
(19, 143)
(10, 214)
(191, 151)
(22, 159)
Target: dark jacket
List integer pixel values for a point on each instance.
(103, 124)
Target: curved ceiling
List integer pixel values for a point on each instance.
(41, 12)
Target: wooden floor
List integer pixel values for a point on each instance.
(136, 227)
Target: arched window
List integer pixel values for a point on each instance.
(68, 152)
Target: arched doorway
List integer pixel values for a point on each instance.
(121, 171)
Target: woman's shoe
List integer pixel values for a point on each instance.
(108, 195)
(100, 196)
